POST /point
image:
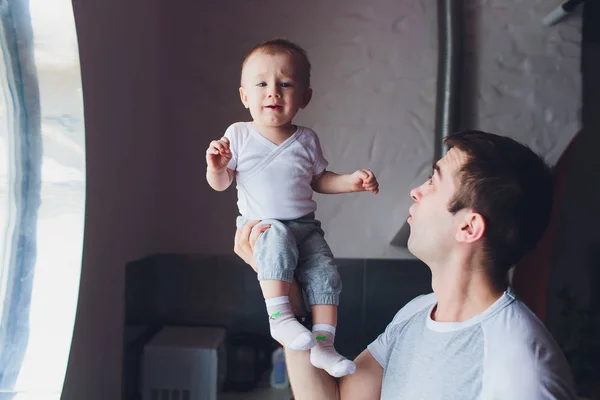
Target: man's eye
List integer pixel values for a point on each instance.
(285, 84)
(430, 180)
(261, 84)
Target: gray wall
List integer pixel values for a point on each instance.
(374, 94)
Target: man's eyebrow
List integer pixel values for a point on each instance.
(436, 168)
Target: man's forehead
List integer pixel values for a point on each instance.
(452, 161)
(454, 157)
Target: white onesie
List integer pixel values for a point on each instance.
(274, 182)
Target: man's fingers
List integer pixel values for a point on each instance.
(245, 237)
(236, 240)
(246, 234)
(256, 232)
(243, 241)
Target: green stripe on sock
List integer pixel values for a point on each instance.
(275, 315)
(321, 337)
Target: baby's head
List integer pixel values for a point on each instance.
(296, 55)
(275, 82)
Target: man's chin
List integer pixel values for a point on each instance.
(413, 247)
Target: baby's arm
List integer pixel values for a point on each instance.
(328, 182)
(218, 155)
(219, 180)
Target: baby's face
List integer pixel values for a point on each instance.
(272, 88)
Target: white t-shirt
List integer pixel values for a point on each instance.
(504, 353)
(274, 181)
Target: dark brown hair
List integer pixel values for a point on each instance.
(511, 187)
(280, 45)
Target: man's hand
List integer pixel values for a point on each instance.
(364, 180)
(245, 239)
(218, 155)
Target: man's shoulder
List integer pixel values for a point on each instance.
(518, 325)
(414, 306)
(520, 348)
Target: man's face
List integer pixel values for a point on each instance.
(433, 228)
(272, 88)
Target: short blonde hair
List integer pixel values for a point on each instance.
(279, 46)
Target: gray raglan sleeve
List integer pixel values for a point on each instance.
(379, 347)
(522, 361)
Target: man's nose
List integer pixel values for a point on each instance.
(415, 194)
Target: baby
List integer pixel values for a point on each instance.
(277, 165)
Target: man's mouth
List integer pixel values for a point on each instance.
(274, 107)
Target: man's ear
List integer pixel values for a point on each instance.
(244, 97)
(307, 96)
(471, 229)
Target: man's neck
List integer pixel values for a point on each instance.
(461, 293)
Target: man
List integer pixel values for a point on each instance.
(486, 204)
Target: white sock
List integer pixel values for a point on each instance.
(285, 328)
(324, 355)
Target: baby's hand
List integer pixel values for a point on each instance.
(364, 180)
(218, 154)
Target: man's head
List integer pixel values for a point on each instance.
(275, 82)
(489, 195)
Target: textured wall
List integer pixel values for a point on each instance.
(528, 79)
(374, 82)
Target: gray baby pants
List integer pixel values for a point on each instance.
(298, 246)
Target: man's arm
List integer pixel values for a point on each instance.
(308, 382)
(366, 382)
(312, 383)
